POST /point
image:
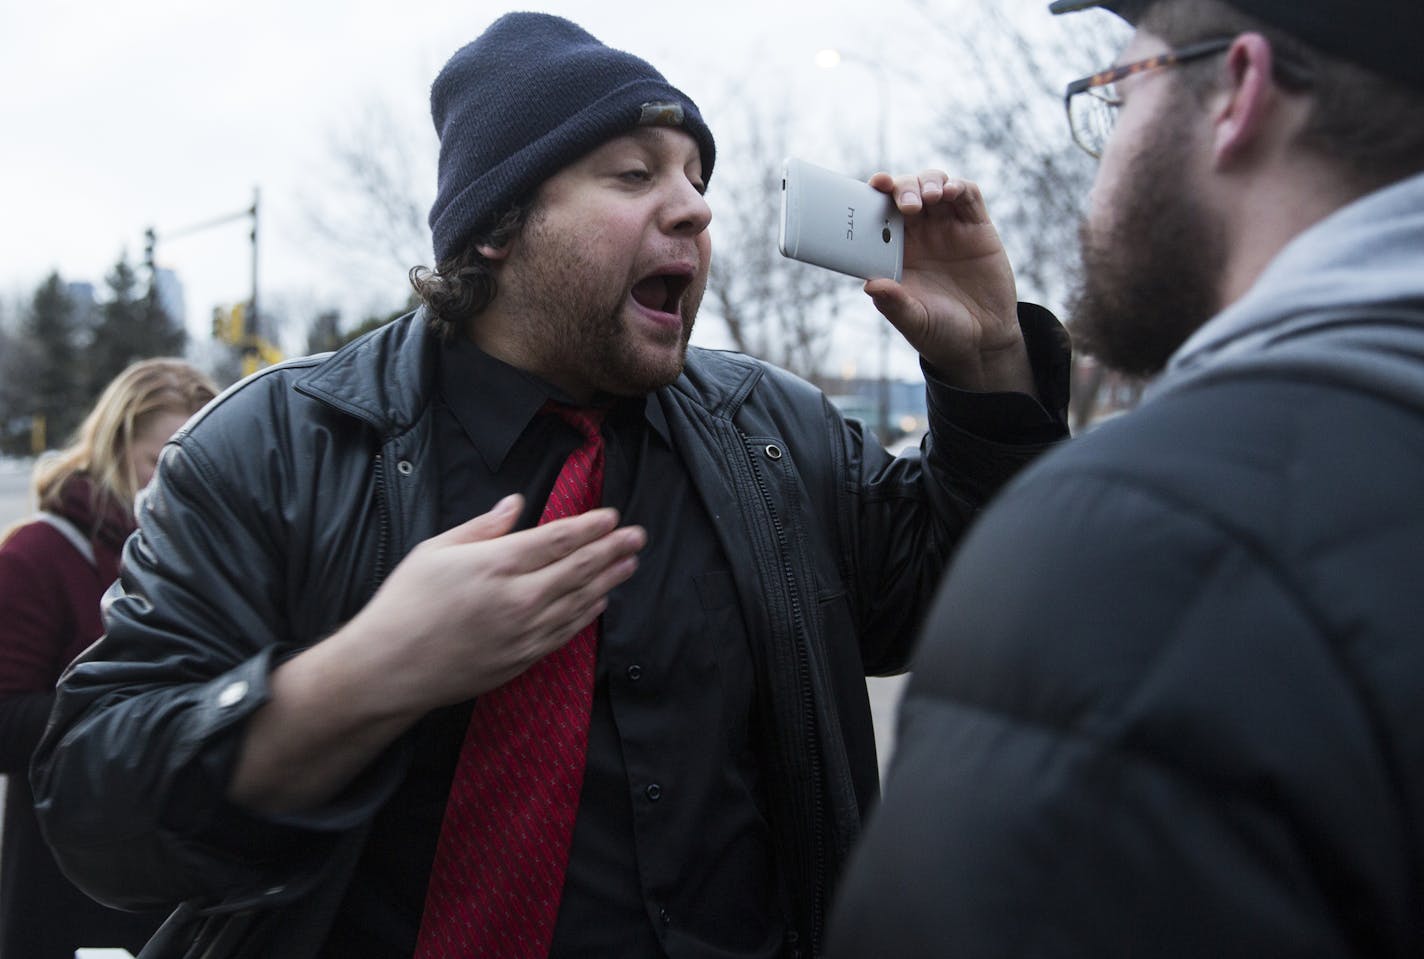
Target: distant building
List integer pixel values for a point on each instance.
(170, 295)
(86, 306)
(859, 398)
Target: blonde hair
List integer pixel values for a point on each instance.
(145, 390)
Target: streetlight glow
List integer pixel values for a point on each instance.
(828, 59)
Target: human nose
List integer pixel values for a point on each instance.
(686, 211)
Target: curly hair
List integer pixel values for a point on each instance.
(460, 288)
(1371, 127)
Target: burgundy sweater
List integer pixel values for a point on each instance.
(49, 613)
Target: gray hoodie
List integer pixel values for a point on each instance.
(1343, 302)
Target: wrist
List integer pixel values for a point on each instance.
(380, 677)
(1004, 369)
(1007, 370)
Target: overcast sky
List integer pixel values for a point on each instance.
(116, 116)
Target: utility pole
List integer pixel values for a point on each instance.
(239, 325)
(151, 241)
(252, 307)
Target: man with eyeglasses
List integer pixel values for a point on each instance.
(1170, 700)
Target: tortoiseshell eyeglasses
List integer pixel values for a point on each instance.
(1092, 102)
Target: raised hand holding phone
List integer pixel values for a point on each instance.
(840, 223)
(956, 302)
(935, 266)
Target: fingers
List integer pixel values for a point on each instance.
(584, 578)
(499, 520)
(563, 597)
(535, 549)
(912, 192)
(916, 192)
(594, 570)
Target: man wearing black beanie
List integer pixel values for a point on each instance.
(1194, 726)
(621, 711)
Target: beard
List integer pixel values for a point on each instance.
(1150, 280)
(575, 318)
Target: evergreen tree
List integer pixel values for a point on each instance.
(132, 326)
(325, 332)
(164, 334)
(374, 322)
(115, 343)
(50, 383)
(16, 363)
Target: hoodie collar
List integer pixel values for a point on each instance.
(1367, 253)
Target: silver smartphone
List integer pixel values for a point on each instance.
(839, 222)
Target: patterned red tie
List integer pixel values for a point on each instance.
(499, 865)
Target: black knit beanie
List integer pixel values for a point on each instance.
(529, 96)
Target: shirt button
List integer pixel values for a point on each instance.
(635, 672)
(654, 792)
(232, 694)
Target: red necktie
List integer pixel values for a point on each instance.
(504, 843)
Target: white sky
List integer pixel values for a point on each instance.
(115, 116)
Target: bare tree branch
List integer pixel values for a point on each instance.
(376, 207)
(1005, 125)
(778, 309)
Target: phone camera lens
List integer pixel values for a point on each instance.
(885, 234)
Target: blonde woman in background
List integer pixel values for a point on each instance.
(53, 570)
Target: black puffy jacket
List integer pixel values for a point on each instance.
(277, 513)
(1170, 702)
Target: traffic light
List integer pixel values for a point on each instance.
(230, 324)
(150, 239)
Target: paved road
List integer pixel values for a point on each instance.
(14, 491)
(14, 505)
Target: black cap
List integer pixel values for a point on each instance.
(1380, 35)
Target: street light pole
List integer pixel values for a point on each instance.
(253, 320)
(151, 238)
(829, 59)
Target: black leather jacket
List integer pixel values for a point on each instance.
(277, 513)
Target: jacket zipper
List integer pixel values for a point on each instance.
(383, 527)
(808, 711)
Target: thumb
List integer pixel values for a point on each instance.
(498, 521)
(892, 300)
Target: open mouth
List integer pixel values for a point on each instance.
(662, 291)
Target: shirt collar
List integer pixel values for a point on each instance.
(494, 402)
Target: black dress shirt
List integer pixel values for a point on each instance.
(671, 851)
